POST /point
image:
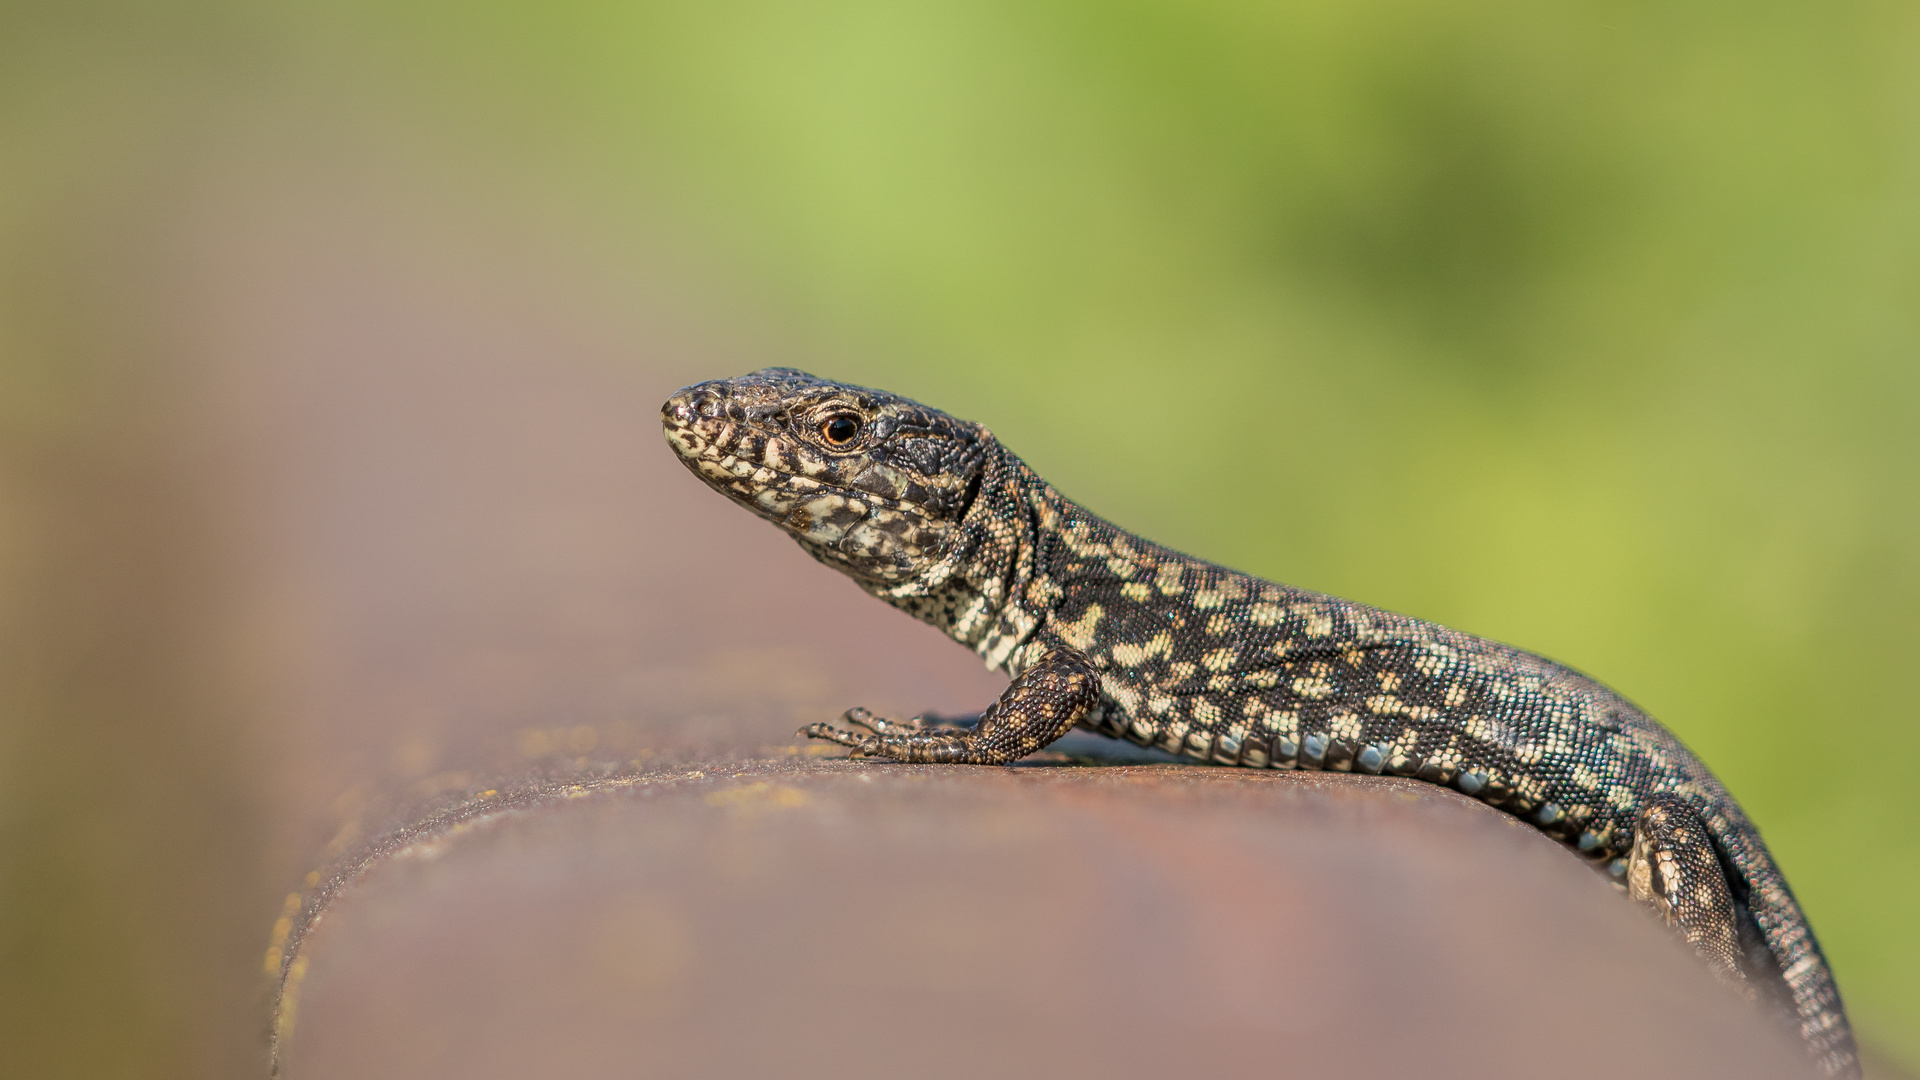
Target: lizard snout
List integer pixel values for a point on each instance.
(706, 401)
(678, 409)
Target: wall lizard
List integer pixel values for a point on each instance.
(1115, 634)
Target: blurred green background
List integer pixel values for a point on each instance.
(1593, 328)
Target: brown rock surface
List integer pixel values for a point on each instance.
(822, 917)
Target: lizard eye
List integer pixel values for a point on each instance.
(840, 429)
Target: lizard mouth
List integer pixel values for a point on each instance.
(884, 537)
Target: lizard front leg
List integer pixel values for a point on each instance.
(1037, 708)
(1673, 869)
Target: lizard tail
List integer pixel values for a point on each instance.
(1811, 991)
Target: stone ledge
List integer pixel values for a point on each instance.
(809, 916)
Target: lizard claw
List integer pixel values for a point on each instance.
(880, 725)
(861, 745)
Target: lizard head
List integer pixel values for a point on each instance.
(868, 482)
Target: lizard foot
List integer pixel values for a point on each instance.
(1037, 708)
(880, 725)
(867, 743)
(1674, 870)
(862, 745)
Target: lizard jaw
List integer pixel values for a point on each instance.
(865, 534)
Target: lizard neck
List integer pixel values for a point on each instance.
(988, 590)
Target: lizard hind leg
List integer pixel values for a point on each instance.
(1037, 708)
(1673, 869)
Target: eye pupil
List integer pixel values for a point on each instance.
(841, 429)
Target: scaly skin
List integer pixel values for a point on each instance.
(1129, 639)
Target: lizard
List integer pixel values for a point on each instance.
(1103, 630)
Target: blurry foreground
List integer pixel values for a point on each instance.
(330, 348)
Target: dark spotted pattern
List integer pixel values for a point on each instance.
(933, 515)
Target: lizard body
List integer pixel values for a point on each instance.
(1118, 635)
